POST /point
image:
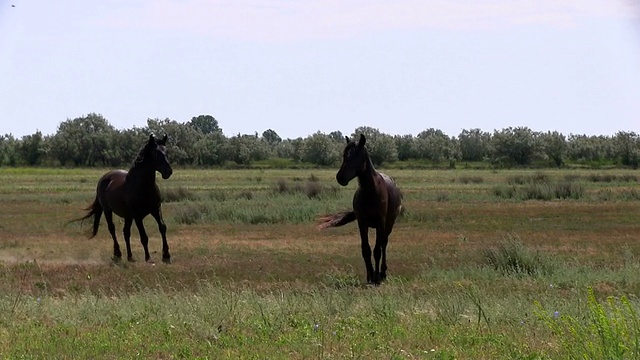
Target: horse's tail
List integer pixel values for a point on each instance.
(334, 220)
(95, 211)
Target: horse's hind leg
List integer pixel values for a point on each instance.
(166, 257)
(108, 215)
(127, 237)
(144, 239)
(381, 243)
(383, 267)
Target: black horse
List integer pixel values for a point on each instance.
(376, 204)
(133, 195)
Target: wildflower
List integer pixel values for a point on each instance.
(316, 326)
(556, 314)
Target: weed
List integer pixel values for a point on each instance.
(281, 187)
(442, 196)
(610, 331)
(313, 190)
(218, 195)
(338, 280)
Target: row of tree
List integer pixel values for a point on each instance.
(92, 141)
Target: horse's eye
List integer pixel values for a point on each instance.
(349, 153)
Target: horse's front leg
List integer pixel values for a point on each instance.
(382, 240)
(366, 251)
(166, 257)
(144, 239)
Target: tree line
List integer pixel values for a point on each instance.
(91, 141)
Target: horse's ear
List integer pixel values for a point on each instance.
(151, 139)
(347, 138)
(162, 141)
(362, 141)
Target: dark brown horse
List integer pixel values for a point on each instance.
(376, 204)
(133, 195)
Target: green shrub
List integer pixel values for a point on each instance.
(511, 257)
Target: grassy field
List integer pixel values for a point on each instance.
(521, 264)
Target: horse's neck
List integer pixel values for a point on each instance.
(141, 175)
(366, 178)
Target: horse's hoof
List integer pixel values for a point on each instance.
(131, 259)
(116, 259)
(166, 260)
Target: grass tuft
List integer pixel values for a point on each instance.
(540, 191)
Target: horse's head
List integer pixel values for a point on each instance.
(157, 152)
(354, 161)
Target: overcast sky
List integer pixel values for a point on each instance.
(298, 67)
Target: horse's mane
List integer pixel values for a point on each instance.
(139, 157)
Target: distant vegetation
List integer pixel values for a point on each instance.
(91, 141)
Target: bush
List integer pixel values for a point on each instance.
(613, 178)
(511, 257)
(191, 213)
(470, 179)
(537, 178)
(282, 186)
(177, 194)
(313, 190)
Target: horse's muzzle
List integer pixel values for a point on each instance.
(167, 174)
(342, 180)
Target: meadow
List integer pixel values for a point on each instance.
(483, 264)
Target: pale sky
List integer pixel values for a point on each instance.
(298, 67)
